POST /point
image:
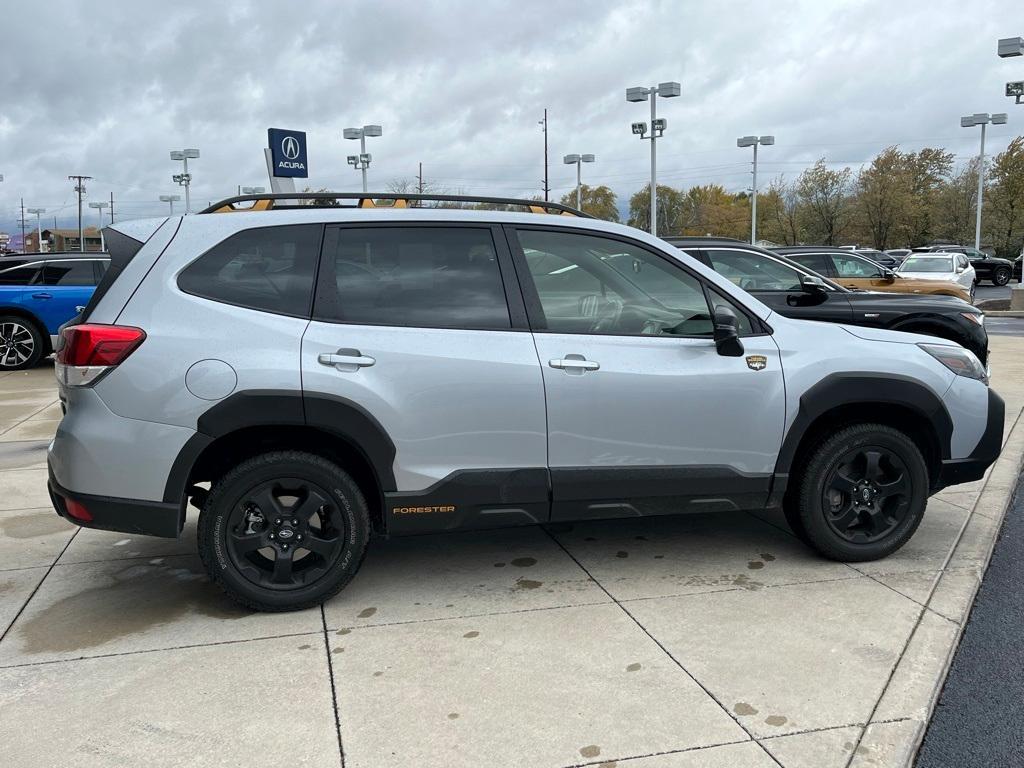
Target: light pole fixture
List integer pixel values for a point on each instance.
(169, 199)
(39, 226)
(253, 190)
(754, 141)
(99, 206)
(658, 126)
(577, 160)
(184, 178)
(969, 121)
(362, 161)
(1009, 47)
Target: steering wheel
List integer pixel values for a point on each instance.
(610, 320)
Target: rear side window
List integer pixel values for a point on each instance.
(269, 269)
(429, 277)
(753, 271)
(815, 262)
(22, 274)
(69, 273)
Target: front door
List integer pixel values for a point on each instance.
(412, 329)
(644, 416)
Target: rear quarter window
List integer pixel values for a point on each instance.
(269, 269)
(18, 273)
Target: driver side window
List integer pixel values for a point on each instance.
(848, 266)
(595, 285)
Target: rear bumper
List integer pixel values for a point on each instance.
(151, 518)
(956, 471)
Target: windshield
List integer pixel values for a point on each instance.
(927, 264)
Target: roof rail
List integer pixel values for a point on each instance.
(291, 201)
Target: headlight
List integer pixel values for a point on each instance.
(976, 318)
(960, 361)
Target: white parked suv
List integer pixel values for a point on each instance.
(311, 375)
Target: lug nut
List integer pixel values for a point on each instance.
(294, 521)
(284, 546)
(299, 537)
(273, 536)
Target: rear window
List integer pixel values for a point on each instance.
(269, 269)
(18, 273)
(429, 277)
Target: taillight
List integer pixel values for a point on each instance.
(88, 351)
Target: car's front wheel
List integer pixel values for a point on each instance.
(1001, 276)
(862, 493)
(283, 531)
(21, 343)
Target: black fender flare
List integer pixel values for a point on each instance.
(844, 389)
(335, 415)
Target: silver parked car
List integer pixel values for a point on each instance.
(311, 376)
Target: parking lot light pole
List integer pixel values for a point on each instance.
(99, 206)
(39, 226)
(658, 126)
(184, 178)
(169, 199)
(1011, 47)
(577, 160)
(753, 141)
(969, 121)
(362, 161)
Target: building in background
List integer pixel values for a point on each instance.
(62, 240)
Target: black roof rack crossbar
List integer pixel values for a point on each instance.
(266, 202)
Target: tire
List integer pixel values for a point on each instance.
(250, 533)
(881, 501)
(1001, 276)
(21, 343)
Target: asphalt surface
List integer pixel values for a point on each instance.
(1005, 326)
(978, 721)
(987, 291)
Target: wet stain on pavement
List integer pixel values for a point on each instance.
(755, 565)
(528, 584)
(378, 674)
(612, 764)
(6, 586)
(140, 598)
(634, 667)
(742, 708)
(776, 720)
(453, 715)
(343, 631)
(367, 613)
(471, 634)
(622, 554)
(338, 649)
(659, 557)
(767, 557)
(590, 751)
(31, 526)
(303, 647)
(524, 562)
(499, 565)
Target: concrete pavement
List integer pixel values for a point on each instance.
(705, 640)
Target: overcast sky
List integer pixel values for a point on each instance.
(107, 89)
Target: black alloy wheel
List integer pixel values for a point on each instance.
(867, 494)
(283, 531)
(1001, 276)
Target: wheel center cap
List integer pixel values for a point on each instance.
(285, 534)
(866, 494)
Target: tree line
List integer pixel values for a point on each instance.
(900, 199)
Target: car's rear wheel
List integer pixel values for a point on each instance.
(283, 531)
(21, 343)
(1001, 276)
(862, 493)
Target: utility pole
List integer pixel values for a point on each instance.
(23, 223)
(544, 128)
(80, 189)
(111, 209)
(420, 185)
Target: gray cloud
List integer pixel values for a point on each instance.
(106, 90)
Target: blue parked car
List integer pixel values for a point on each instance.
(39, 292)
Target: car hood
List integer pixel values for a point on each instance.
(948, 276)
(915, 301)
(898, 337)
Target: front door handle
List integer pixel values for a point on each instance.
(42, 295)
(346, 359)
(574, 364)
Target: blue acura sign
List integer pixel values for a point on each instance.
(288, 151)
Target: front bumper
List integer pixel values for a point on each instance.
(152, 518)
(956, 471)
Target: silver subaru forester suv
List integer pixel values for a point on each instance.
(309, 375)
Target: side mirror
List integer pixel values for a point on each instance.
(961, 270)
(888, 275)
(811, 284)
(727, 333)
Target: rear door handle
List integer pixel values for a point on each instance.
(346, 359)
(574, 363)
(42, 295)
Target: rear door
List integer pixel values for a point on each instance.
(778, 285)
(64, 291)
(644, 416)
(857, 272)
(422, 327)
